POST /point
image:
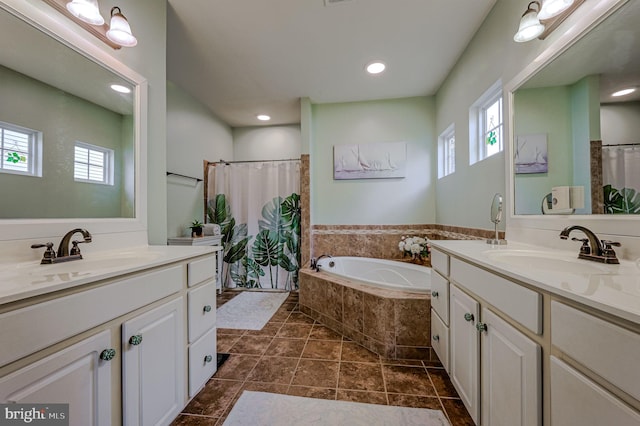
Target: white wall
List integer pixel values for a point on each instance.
(266, 143)
(194, 134)
(409, 200)
(620, 123)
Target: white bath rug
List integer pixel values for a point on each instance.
(250, 310)
(261, 408)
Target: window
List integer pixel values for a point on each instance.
(447, 152)
(93, 164)
(486, 125)
(20, 150)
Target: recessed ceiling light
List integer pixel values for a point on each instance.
(120, 89)
(263, 117)
(376, 67)
(624, 92)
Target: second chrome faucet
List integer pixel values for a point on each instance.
(592, 247)
(64, 253)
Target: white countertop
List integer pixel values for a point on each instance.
(612, 289)
(20, 280)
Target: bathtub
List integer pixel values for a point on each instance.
(379, 273)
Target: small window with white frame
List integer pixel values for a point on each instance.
(93, 164)
(486, 125)
(447, 152)
(20, 150)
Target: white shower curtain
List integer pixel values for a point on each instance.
(257, 205)
(621, 178)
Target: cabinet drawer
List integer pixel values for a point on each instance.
(440, 296)
(201, 310)
(520, 303)
(440, 262)
(607, 349)
(440, 339)
(202, 361)
(201, 270)
(576, 400)
(27, 330)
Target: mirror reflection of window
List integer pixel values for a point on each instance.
(18, 149)
(93, 164)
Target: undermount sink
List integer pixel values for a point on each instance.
(553, 261)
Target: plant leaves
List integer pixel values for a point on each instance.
(266, 248)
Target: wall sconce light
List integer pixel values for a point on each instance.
(530, 26)
(549, 14)
(86, 13)
(120, 31)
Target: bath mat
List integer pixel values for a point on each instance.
(250, 310)
(261, 408)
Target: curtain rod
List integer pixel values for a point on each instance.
(254, 161)
(621, 144)
(184, 176)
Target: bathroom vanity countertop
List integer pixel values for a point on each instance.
(21, 280)
(612, 289)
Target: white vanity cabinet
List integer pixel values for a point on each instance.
(495, 367)
(116, 349)
(440, 306)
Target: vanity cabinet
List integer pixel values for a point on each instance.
(495, 367)
(153, 366)
(440, 306)
(115, 350)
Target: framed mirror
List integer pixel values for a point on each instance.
(73, 127)
(575, 146)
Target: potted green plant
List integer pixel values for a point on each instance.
(196, 228)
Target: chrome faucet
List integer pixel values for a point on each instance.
(314, 262)
(592, 247)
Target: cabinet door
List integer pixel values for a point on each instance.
(153, 366)
(511, 375)
(465, 346)
(76, 376)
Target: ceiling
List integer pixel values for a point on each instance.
(241, 58)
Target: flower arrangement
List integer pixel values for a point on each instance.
(416, 247)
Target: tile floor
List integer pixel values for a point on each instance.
(295, 355)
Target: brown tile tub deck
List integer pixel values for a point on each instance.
(394, 324)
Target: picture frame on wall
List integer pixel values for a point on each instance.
(531, 154)
(381, 160)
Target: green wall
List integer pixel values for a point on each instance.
(408, 200)
(63, 119)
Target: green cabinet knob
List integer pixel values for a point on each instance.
(436, 338)
(481, 327)
(468, 317)
(434, 294)
(207, 308)
(208, 358)
(108, 354)
(135, 340)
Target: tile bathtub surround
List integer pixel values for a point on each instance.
(316, 363)
(381, 241)
(394, 324)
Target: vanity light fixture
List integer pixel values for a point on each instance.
(263, 117)
(119, 29)
(530, 26)
(376, 67)
(553, 8)
(120, 88)
(624, 92)
(86, 10)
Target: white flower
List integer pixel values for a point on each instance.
(416, 248)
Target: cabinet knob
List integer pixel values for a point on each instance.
(481, 327)
(108, 354)
(208, 358)
(135, 340)
(434, 294)
(436, 338)
(468, 317)
(207, 308)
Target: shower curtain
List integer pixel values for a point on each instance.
(621, 179)
(257, 205)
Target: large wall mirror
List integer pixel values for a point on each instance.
(576, 147)
(71, 145)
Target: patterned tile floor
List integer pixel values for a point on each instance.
(295, 355)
